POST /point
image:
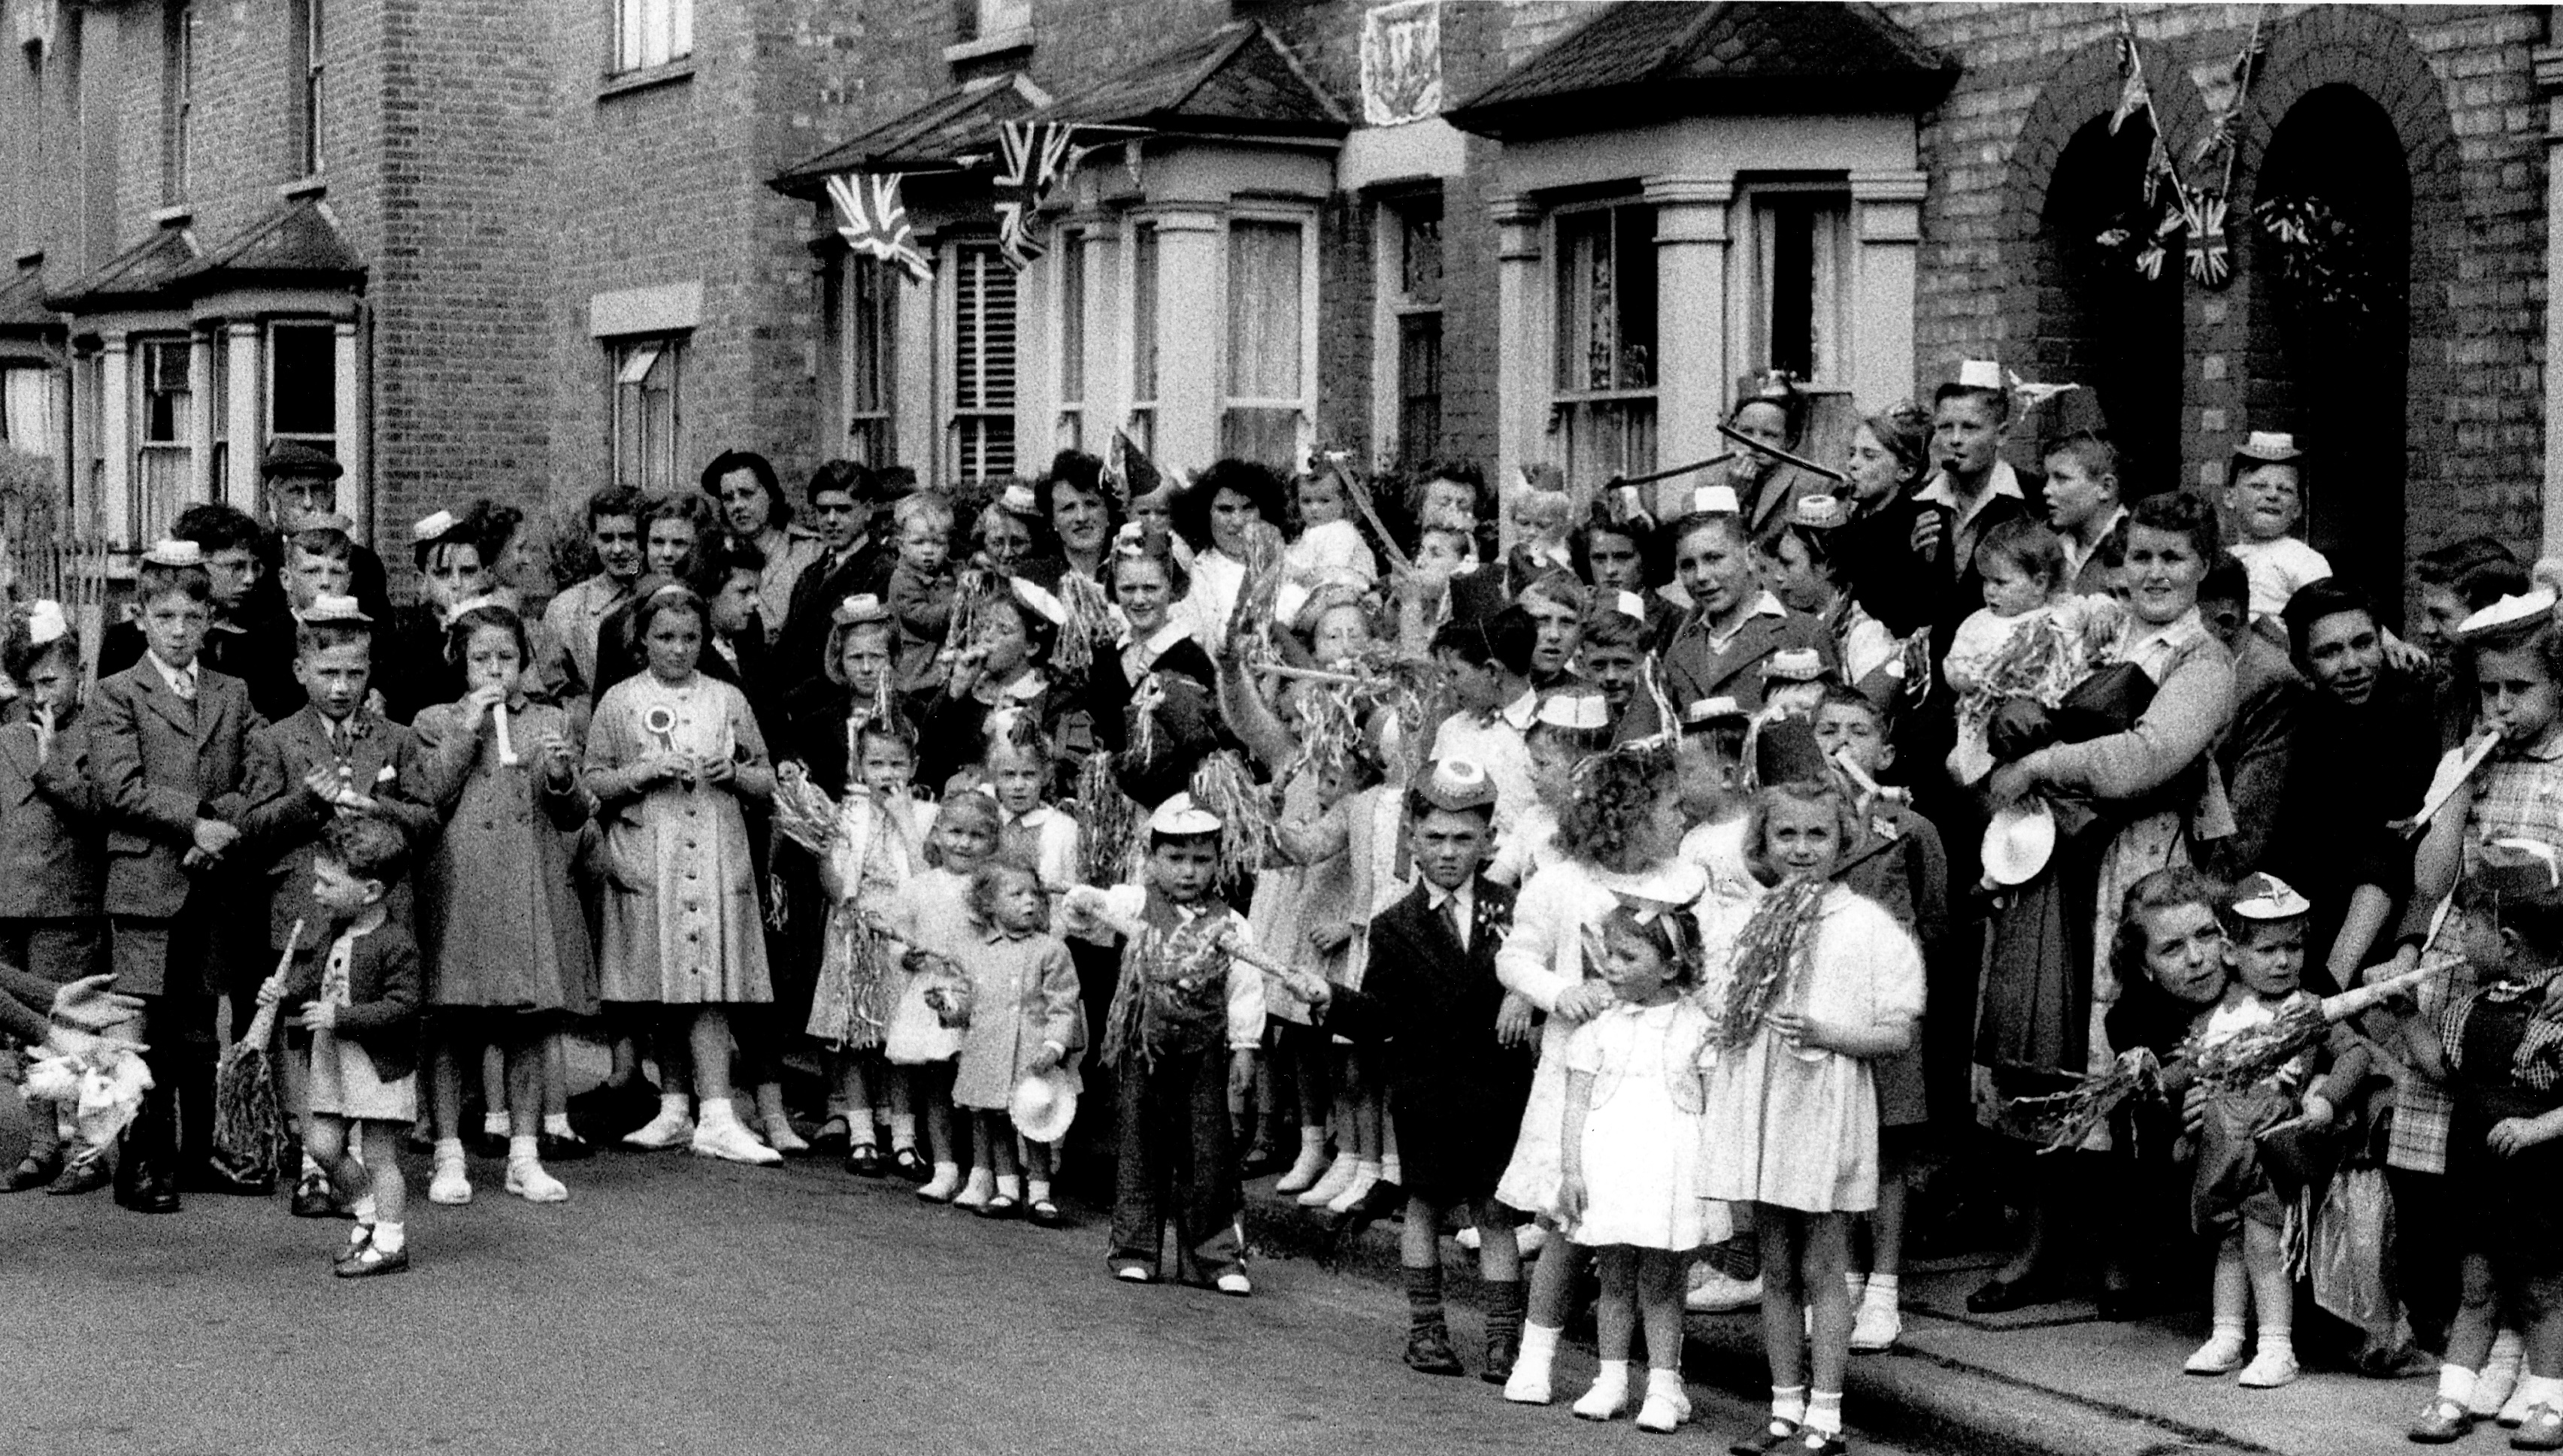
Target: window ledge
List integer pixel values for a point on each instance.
(625, 82)
(1003, 43)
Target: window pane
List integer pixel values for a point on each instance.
(166, 399)
(1264, 310)
(680, 28)
(1584, 341)
(983, 363)
(26, 411)
(1267, 436)
(1633, 238)
(303, 397)
(1419, 387)
(1071, 318)
(1143, 313)
(1606, 437)
(870, 329)
(1420, 252)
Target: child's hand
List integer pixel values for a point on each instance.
(1582, 1003)
(1240, 1075)
(213, 836)
(720, 771)
(272, 990)
(1309, 988)
(1796, 1032)
(557, 762)
(2193, 1111)
(2318, 1110)
(2515, 1135)
(1049, 1057)
(1570, 1199)
(322, 782)
(320, 1015)
(1514, 1020)
(1925, 539)
(479, 701)
(1330, 936)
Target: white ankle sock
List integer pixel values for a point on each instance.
(448, 1150)
(557, 1123)
(1824, 1412)
(1390, 1170)
(677, 1104)
(2456, 1383)
(1882, 1289)
(1538, 1341)
(1009, 1186)
(524, 1149)
(902, 1130)
(494, 1125)
(2280, 1341)
(1314, 1138)
(364, 1210)
(1789, 1404)
(2536, 1391)
(389, 1237)
(1037, 1189)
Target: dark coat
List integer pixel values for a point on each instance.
(258, 649)
(161, 764)
(802, 642)
(1876, 559)
(1457, 1094)
(284, 822)
(384, 986)
(2268, 698)
(1694, 669)
(53, 851)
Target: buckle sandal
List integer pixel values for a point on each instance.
(1776, 1433)
(1043, 1214)
(1003, 1206)
(2541, 1431)
(2441, 1422)
(908, 1164)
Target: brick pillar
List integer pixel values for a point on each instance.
(1886, 230)
(1522, 335)
(2549, 85)
(1190, 372)
(1691, 324)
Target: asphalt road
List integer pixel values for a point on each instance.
(687, 1306)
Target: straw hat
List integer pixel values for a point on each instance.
(2018, 842)
(1042, 1106)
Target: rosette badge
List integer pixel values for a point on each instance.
(660, 722)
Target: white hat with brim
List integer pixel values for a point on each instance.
(2018, 842)
(174, 552)
(1042, 1106)
(1713, 710)
(1180, 815)
(433, 527)
(1457, 785)
(857, 609)
(2265, 896)
(326, 607)
(2268, 446)
(2525, 609)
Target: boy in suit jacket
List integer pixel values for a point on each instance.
(1458, 1068)
(169, 746)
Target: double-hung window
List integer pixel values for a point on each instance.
(981, 417)
(648, 418)
(1074, 262)
(650, 33)
(1410, 328)
(1143, 335)
(1801, 289)
(1604, 379)
(869, 325)
(1270, 290)
(164, 414)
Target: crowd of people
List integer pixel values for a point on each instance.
(1567, 867)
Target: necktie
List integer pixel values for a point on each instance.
(184, 685)
(1450, 908)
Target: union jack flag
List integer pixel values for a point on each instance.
(872, 221)
(1032, 158)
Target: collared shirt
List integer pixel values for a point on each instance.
(1497, 742)
(1764, 604)
(181, 681)
(1463, 903)
(1138, 657)
(2077, 555)
(2000, 480)
(577, 615)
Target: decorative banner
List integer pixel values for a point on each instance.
(872, 221)
(1401, 63)
(1032, 158)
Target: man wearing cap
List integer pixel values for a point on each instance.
(2265, 502)
(298, 490)
(852, 561)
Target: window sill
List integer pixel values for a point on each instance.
(648, 77)
(1003, 43)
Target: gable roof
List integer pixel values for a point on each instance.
(934, 137)
(1637, 63)
(22, 305)
(296, 245)
(1239, 80)
(138, 277)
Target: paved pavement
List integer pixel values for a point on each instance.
(681, 1305)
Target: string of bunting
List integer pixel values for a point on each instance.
(2175, 206)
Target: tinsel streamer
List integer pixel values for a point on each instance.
(1222, 785)
(2086, 1108)
(803, 812)
(1109, 844)
(1090, 629)
(249, 1125)
(1767, 952)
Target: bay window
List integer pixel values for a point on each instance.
(1269, 317)
(1604, 370)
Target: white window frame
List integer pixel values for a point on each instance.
(172, 459)
(991, 19)
(1073, 278)
(1304, 403)
(1143, 356)
(1395, 306)
(996, 426)
(1573, 411)
(875, 426)
(650, 33)
(1757, 204)
(632, 362)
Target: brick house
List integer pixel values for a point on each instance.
(594, 243)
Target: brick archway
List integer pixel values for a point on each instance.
(2360, 63)
(2079, 315)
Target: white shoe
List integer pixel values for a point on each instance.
(1469, 1238)
(2222, 1355)
(2268, 1369)
(976, 1192)
(1235, 1285)
(1714, 1292)
(670, 1128)
(2496, 1383)
(1365, 1179)
(1877, 1327)
(780, 1137)
(1530, 1382)
(940, 1188)
(722, 1135)
(528, 1181)
(1530, 1238)
(1339, 1174)
(449, 1185)
(1666, 1406)
(1608, 1397)
(1303, 1174)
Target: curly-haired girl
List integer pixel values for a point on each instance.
(1024, 1021)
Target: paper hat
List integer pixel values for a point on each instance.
(434, 527)
(1042, 1106)
(2510, 612)
(46, 623)
(1041, 599)
(860, 609)
(1180, 815)
(1979, 374)
(1716, 501)
(2517, 869)
(1629, 604)
(1785, 752)
(1819, 512)
(1794, 665)
(1457, 785)
(326, 607)
(171, 551)
(2018, 842)
(1587, 712)
(2262, 896)
(2267, 446)
(1701, 711)
(1019, 499)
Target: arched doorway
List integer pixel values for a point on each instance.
(2332, 324)
(2101, 323)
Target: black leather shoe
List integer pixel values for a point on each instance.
(1502, 1350)
(908, 1166)
(865, 1160)
(1384, 1201)
(557, 1148)
(205, 1178)
(32, 1171)
(311, 1199)
(485, 1144)
(143, 1188)
(1997, 1296)
(1429, 1351)
(80, 1175)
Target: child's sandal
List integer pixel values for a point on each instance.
(2441, 1422)
(2541, 1431)
(1043, 1214)
(908, 1164)
(368, 1262)
(1003, 1206)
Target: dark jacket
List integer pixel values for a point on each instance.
(258, 649)
(283, 824)
(802, 642)
(384, 986)
(53, 849)
(161, 764)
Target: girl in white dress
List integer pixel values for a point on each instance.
(1629, 1184)
(1814, 984)
(1617, 837)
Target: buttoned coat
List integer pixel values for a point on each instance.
(161, 762)
(53, 851)
(283, 825)
(499, 923)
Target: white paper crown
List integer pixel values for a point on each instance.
(1819, 512)
(1042, 600)
(326, 608)
(1020, 500)
(1180, 815)
(171, 551)
(2510, 612)
(1584, 711)
(46, 623)
(1458, 784)
(1710, 709)
(1980, 374)
(431, 527)
(2270, 444)
(860, 609)
(1794, 665)
(1716, 501)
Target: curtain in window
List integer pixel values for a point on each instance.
(1263, 312)
(27, 409)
